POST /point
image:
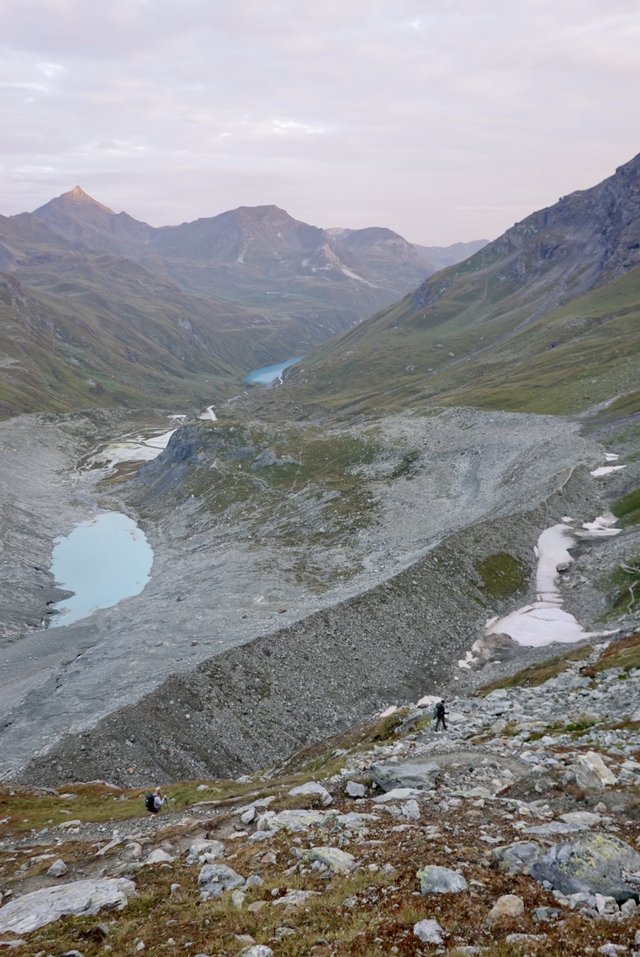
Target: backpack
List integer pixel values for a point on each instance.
(435, 711)
(440, 712)
(149, 802)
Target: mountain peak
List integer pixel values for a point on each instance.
(78, 195)
(73, 199)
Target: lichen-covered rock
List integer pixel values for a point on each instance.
(592, 863)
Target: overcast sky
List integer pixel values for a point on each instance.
(445, 120)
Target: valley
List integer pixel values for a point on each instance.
(343, 541)
(327, 546)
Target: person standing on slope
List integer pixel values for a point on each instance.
(440, 716)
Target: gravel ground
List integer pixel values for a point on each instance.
(212, 590)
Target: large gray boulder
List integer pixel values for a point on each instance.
(335, 860)
(591, 772)
(517, 858)
(27, 913)
(419, 775)
(215, 879)
(593, 864)
(440, 880)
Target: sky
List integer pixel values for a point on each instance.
(445, 120)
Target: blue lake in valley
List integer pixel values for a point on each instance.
(265, 375)
(102, 561)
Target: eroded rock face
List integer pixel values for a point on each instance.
(79, 898)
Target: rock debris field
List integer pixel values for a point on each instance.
(216, 586)
(515, 831)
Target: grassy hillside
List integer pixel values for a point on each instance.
(545, 319)
(80, 347)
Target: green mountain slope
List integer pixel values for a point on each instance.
(79, 330)
(83, 347)
(544, 319)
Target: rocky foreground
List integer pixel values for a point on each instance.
(515, 831)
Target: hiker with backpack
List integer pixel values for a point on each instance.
(439, 714)
(154, 800)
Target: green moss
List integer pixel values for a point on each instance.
(502, 574)
(623, 588)
(537, 674)
(623, 653)
(627, 508)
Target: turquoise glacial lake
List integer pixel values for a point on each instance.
(101, 561)
(265, 375)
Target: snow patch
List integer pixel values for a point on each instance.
(606, 470)
(208, 415)
(544, 621)
(136, 448)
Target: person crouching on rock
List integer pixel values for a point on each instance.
(154, 801)
(440, 716)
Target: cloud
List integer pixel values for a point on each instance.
(439, 120)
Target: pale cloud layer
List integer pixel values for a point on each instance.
(445, 120)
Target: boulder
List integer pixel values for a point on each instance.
(592, 863)
(58, 869)
(420, 775)
(517, 858)
(507, 907)
(591, 772)
(296, 820)
(429, 932)
(215, 879)
(199, 848)
(355, 790)
(337, 861)
(440, 880)
(312, 789)
(79, 898)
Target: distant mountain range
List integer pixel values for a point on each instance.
(546, 318)
(99, 308)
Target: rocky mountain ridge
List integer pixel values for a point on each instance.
(515, 831)
(544, 318)
(113, 301)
